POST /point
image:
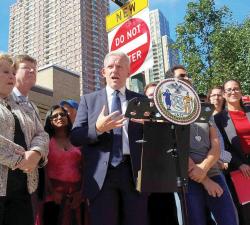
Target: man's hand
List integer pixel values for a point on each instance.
(197, 173)
(109, 122)
(29, 162)
(212, 187)
(245, 169)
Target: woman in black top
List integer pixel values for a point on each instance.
(22, 145)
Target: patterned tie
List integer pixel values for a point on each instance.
(116, 155)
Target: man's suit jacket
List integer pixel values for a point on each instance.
(231, 140)
(96, 147)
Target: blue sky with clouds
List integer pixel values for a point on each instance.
(174, 10)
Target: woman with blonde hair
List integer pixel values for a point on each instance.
(23, 146)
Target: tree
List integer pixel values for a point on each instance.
(231, 55)
(196, 40)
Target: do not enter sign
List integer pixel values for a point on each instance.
(133, 38)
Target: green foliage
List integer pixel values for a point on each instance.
(232, 55)
(213, 48)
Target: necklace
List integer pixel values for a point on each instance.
(197, 136)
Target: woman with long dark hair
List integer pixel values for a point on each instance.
(234, 125)
(63, 172)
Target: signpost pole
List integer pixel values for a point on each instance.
(120, 2)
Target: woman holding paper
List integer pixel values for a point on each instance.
(234, 125)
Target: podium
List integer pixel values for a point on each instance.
(166, 139)
(164, 162)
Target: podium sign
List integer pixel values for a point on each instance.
(159, 171)
(177, 101)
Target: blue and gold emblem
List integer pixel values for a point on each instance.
(177, 101)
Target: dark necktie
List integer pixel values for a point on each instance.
(116, 155)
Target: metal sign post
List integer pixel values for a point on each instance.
(120, 2)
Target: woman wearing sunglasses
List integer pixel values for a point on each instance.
(63, 172)
(234, 125)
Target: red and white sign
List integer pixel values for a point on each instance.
(133, 38)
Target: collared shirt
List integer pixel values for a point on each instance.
(18, 94)
(24, 100)
(124, 103)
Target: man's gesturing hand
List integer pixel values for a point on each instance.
(109, 122)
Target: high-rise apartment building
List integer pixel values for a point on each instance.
(69, 33)
(170, 55)
(164, 57)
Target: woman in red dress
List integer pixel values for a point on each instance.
(63, 178)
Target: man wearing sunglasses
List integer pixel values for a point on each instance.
(179, 72)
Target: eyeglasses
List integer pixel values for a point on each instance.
(28, 68)
(55, 116)
(230, 90)
(215, 95)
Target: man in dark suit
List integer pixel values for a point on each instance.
(112, 155)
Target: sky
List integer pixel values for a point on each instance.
(173, 10)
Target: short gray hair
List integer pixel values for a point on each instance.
(116, 53)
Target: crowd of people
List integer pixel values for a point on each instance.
(81, 166)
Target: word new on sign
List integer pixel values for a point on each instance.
(125, 13)
(128, 10)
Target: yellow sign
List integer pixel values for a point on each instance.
(128, 10)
